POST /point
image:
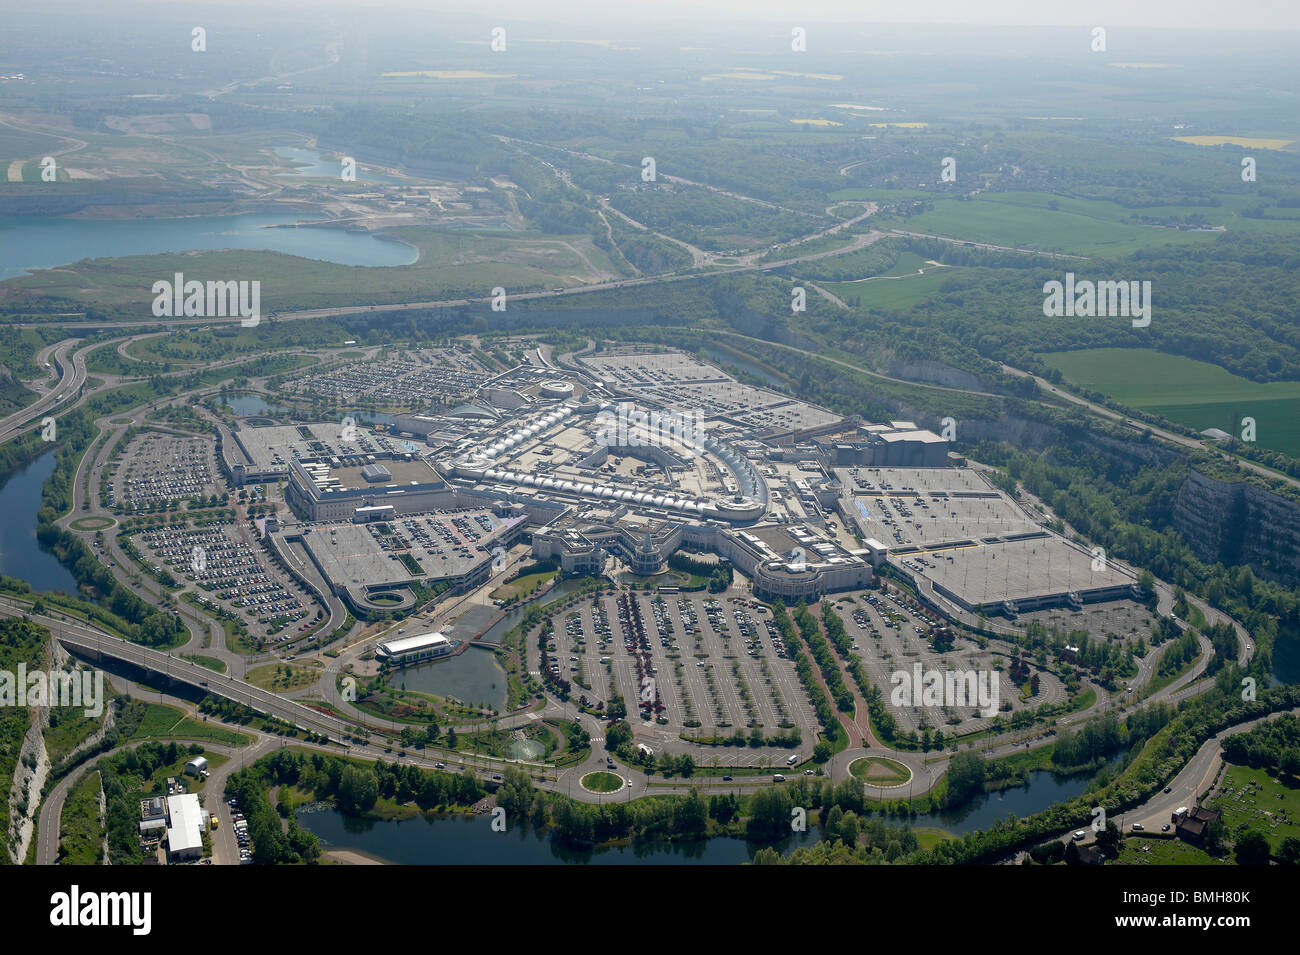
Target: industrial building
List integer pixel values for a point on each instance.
(411, 650)
(185, 825)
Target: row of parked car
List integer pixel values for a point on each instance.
(241, 833)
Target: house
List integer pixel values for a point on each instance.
(1194, 825)
(1090, 855)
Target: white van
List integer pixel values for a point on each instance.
(778, 778)
(792, 760)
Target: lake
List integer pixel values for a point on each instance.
(1043, 790)
(315, 166)
(37, 242)
(20, 555)
(474, 676)
(461, 840)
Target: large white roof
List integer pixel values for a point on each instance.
(418, 642)
(186, 816)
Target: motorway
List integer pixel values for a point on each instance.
(72, 375)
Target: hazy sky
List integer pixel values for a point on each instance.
(1266, 15)
(1235, 14)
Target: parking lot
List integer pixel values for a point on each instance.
(411, 380)
(891, 635)
(156, 468)
(232, 573)
(1124, 619)
(708, 666)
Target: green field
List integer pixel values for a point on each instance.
(1193, 393)
(523, 586)
(901, 292)
(1028, 220)
(167, 722)
(212, 663)
(92, 523)
(909, 263)
(280, 677)
(449, 265)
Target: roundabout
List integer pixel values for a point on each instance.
(880, 771)
(92, 523)
(602, 782)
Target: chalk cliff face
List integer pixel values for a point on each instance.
(938, 373)
(1238, 523)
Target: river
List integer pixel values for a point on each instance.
(20, 555)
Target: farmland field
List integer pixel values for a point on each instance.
(1179, 389)
(1026, 220)
(1248, 142)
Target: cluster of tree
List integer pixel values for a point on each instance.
(755, 740)
(705, 218)
(1184, 650)
(271, 844)
(825, 657)
(1163, 755)
(648, 253)
(1111, 658)
(1272, 745)
(966, 774)
(421, 142)
(1094, 742)
(803, 666)
(21, 641)
(882, 721)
